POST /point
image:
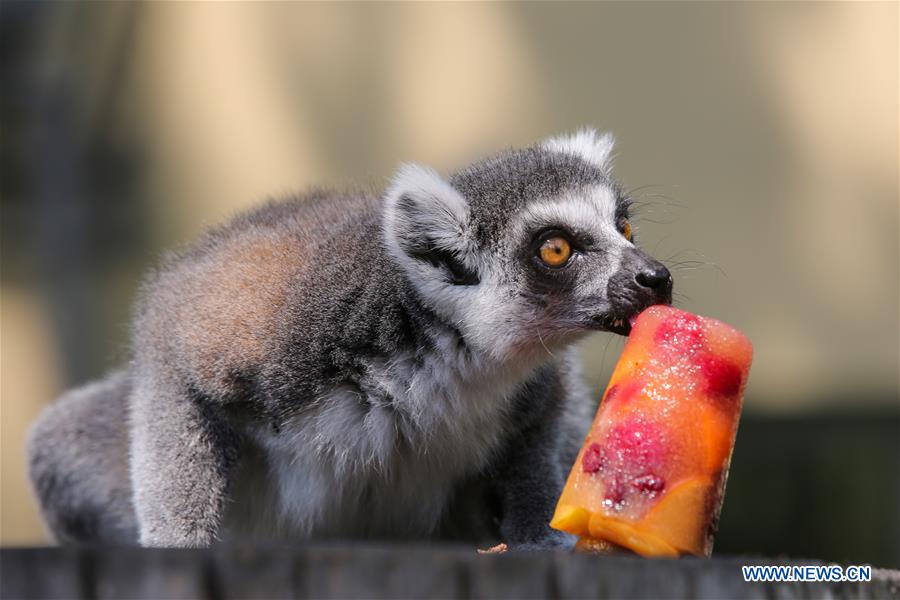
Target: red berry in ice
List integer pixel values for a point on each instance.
(648, 484)
(635, 444)
(681, 332)
(722, 377)
(592, 459)
(614, 495)
(631, 449)
(611, 394)
(623, 392)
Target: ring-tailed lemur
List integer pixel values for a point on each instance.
(355, 365)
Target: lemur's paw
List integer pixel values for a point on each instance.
(498, 549)
(550, 543)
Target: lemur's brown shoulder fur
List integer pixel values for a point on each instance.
(224, 303)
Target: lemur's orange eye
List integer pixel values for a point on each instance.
(555, 251)
(626, 231)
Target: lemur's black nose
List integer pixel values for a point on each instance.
(656, 277)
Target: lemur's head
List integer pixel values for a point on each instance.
(531, 248)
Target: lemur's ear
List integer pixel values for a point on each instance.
(425, 223)
(587, 144)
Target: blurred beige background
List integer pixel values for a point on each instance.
(762, 137)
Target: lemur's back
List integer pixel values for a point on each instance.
(216, 309)
(220, 309)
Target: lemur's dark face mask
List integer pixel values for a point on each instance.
(581, 284)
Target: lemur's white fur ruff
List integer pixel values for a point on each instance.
(330, 457)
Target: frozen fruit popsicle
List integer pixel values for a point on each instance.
(651, 474)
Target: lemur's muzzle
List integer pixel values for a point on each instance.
(656, 278)
(641, 281)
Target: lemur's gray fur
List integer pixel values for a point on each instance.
(355, 365)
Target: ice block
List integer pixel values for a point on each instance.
(651, 474)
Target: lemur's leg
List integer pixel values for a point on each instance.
(183, 453)
(531, 476)
(529, 486)
(78, 462)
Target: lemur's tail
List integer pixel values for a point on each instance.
(78, 464)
